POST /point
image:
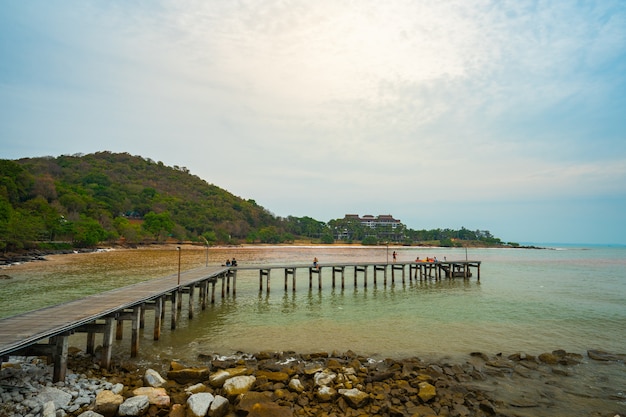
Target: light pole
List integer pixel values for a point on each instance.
(387, 243)
(179, 252)
(207, 250)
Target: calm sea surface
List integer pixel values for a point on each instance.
(532, 301)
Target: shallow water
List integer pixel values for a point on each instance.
(530, 301)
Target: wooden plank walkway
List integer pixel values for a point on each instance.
(98, 313)
(24, 330)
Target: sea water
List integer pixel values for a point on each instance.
(530, 300)
(527, 300)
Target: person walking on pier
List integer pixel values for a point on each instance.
(394, 255)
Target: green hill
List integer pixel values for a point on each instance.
(87, 199)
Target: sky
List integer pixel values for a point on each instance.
(507, 116)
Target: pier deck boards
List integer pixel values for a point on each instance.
(20, 331)
(22, 334)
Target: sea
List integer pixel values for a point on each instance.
(570, 297)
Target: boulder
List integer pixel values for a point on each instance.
(354, 397)
(219, 407)
(600, 355)
(272, 376)
(247, 400)
(325, 377)
(153, 379)
(49, 410)
(134, 406)
(156, 396)
(60, 398)
(218, 378)
(325, 393)
(426, 391)
(198, 404)
(238, 385)
(189, 375)
(107, 403)
(194, 389)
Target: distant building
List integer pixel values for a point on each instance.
(373, 222)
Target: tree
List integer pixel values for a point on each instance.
(158, 224)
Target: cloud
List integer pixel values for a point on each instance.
(471, 100)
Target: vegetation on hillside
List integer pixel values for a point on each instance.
(85, 200)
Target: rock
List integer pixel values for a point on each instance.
(238, 385)
(198, 404)
(295, 385)
(194, 389)
(90, 413)
(156, 396)
(325, 393)
(219, 407)
(218, 378)
(426, 391)
(177, 410)
(134, 406)
(60, 398)
(272, 376)
(549, 358)
(153, 379)
(324, 378)
(355, 397)
(247, 400)
(189, 375)
(600, 355)
(269, 410)
(107, 403)
(49, 410)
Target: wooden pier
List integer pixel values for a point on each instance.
(408, 270)
(45, 332)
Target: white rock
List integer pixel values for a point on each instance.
(296, 385)
(153, 379)
(61, 398)
(239, 384)
(325, 377)
(49, 410)
(199, 403)
(134, 406)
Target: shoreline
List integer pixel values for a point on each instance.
(319, 383)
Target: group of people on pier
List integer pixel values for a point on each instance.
(231, 263)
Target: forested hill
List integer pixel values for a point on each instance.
(87, 199)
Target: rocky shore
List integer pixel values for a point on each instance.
(319, 384)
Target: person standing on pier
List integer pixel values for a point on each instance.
(315, 263)
(394, 255)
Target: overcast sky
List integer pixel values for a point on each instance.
(507, 116)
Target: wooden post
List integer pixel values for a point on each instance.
(158, 306)
(213, 292)
(192, 287)
(59, 356)
(234, 283)
(107, 343)
(174, 308)
(134, 349)
(119, 332)
(142, 319)
(319, 277)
